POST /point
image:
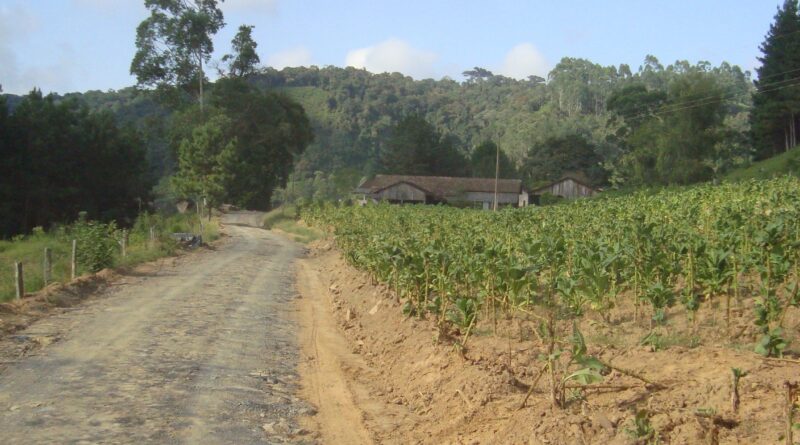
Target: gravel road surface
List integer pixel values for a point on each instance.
(203, 351)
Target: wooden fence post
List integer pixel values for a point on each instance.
(152, 237)
(124, 243)
(791, 389)
(20, 281)
(47, 271)
(74, 260)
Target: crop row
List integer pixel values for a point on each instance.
(689, 246)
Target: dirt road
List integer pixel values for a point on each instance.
(202, 351)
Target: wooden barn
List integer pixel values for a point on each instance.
(476, 192)
(568, 187)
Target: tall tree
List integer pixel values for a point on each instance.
(59, 159)
(272, 131)
(678, 144)
(776, 112)
(416, 148)
(203, 160)
(557, 156)
(483, 162)
(174, 43)
(244, 60)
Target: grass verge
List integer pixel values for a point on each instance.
(29, 250)
(285, 219)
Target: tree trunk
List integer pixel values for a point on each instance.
(200, 65)
(786, 139)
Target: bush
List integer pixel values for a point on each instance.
(96, 244)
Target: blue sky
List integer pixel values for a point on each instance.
(78, 45)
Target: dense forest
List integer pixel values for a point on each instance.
(651, 125)
(584, 117)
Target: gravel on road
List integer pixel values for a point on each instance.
(203, 351)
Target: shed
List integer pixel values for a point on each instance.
(568, 187)
(477, 192)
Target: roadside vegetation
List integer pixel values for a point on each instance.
(99, 246)
(286, 218)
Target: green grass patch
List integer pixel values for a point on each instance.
(787, 163)
(285, 218)
(280, 215)
(300, 233)
(29, 250)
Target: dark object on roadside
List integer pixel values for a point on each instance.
(188, 240)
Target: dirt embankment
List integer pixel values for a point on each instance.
(376, 376)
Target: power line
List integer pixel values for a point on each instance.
(708, 101)
(671, 108)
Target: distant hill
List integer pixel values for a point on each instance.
(353, 111)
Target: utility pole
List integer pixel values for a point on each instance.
(496, 175)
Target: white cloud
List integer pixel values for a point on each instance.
(251, 6)
(394, 55)
(297, 56)
(522, 61)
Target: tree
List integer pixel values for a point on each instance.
(484, 159)
(244, 60)
(776, 113)
(416, 148)
(59, 159)
(174, 42)
(477, 74)
(679, 144)
(204, 161)
(557, 156)
(272, 131)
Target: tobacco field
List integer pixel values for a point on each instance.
(717, 246)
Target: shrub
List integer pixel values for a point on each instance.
(96, 244)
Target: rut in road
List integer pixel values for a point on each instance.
(204, 352)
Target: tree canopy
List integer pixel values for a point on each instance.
(483, 162)
(776, 111)
(415, 147)
(244, 60)
(174, 43)
(60, 159)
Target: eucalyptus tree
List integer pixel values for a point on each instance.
(174, 43)
(244, 60)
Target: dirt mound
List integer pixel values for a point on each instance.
(411, 385)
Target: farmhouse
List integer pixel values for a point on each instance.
(477, 192)
(568, 187)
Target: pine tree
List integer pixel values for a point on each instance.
(776, 111)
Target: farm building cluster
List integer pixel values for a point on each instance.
(472, 192)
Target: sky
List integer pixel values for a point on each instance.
(78, 45)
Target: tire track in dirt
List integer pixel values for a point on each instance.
(203, 352)
(339, 419)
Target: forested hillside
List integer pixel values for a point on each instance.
(654, 124)
(583, 107)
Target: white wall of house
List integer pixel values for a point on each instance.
(523, 199)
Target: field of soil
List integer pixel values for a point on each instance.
(377, 376)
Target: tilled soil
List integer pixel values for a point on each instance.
(403, 383)
(201, 351)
